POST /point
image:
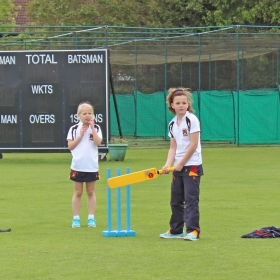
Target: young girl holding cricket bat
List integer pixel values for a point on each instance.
(83, 140)
(185, 153)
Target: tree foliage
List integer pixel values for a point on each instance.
(151, 13)
(154, 13)
(7, 12)
(62, 12)
(262, 12)
(141, 13)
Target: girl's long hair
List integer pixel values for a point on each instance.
(173, 92)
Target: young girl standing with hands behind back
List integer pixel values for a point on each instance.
(185, 152)
(83, 141)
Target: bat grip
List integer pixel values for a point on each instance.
(160, 172)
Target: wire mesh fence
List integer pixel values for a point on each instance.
(240, 63)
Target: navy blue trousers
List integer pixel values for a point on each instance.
(184, 203)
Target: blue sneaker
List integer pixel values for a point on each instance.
(171, 235)
(192, 236)
(76, 223)
(91, 223)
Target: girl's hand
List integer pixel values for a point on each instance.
(165, 168)
(91, 123)
(83, 130)
(178, 167)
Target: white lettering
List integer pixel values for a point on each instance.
(8, 118)
(98, 118)
(42, 89)
(40, 59)
(74, 118)
(42, 118)
(7, 60)
(85, 58)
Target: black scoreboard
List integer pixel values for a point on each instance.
(40, 92)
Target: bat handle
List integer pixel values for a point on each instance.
(160, 172)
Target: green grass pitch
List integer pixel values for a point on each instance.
(239, 193)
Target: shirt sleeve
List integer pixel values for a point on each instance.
(72, 133)
(170, 128)
(98, 130)
(195, 124)
(169, 134)
(69, 135)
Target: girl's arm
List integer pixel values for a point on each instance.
(171, 154)
(194, 137)
(72, 144)
(97, 140)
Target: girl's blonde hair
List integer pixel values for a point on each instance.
(173, 92)
(84, 105)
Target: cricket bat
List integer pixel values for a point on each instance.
(135, 177)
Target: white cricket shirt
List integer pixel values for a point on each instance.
(181, 135)
(85, 155)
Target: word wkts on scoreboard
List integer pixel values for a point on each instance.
(41, 90)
